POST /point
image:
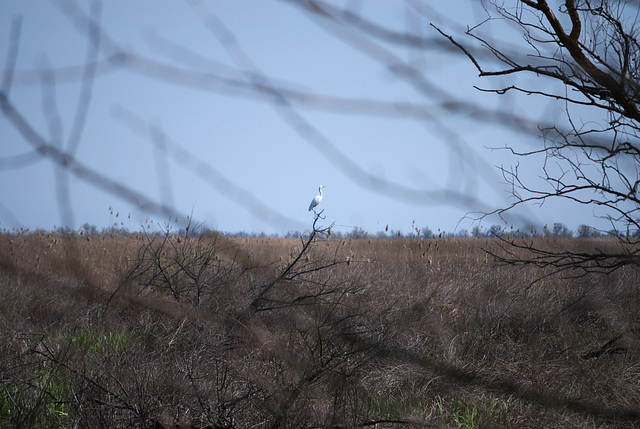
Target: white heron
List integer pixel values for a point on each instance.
(317, 199)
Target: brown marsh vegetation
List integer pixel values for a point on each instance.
(201, 330)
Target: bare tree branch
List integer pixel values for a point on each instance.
(80, 170)
(593, 58)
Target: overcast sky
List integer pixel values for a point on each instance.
(235, 111)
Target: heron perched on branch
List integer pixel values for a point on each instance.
(317, 198)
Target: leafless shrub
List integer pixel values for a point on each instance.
(189, 266)
(318, 309)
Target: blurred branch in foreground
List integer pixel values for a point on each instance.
(246, 80)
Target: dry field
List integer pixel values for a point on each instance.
(205, 331)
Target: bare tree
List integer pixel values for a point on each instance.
(590, 53)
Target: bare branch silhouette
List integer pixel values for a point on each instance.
(592, 164)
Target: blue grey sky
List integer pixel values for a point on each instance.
(182, 112)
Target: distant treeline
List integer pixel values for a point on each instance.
(557, 230)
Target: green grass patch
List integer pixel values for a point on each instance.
(40, 401)
(398, 407)
(469, 414)
(100, 343)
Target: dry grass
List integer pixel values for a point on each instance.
(108, 332)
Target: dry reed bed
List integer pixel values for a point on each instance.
(105, 332)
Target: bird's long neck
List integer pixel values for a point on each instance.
(320, 190)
